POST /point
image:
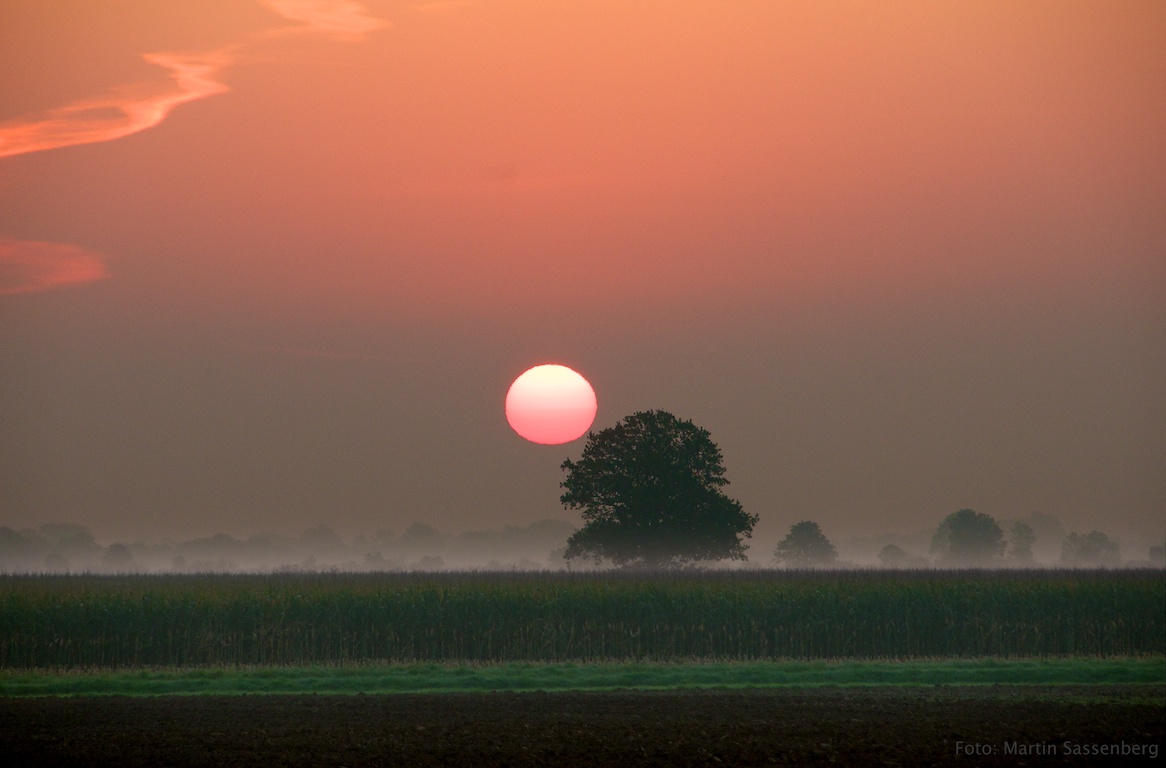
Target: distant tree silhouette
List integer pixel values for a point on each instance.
(118, 557)
(968, 538)
(1157, 554)
(1092, 549)
(1020, 543)
(650, 493)
(322, 539)
(892, 556)
(804, 546)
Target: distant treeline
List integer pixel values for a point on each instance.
(68, 548)
(57, 548)
(347, 618)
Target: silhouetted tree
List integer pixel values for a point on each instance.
(322, 539)
(892, 556)
(968, 538)
(1020, 544)
(420, 537)
(650, 492)
(1157, 554)
(805, 545)
(1092, 549)
(118, 557)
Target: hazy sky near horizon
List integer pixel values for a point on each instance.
(271, 264)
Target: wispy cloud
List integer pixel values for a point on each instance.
(27, 266)
(121, 113)
(193, 75)
(441, 6)
(343, 19)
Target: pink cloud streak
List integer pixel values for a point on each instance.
(27, 266)
(193, 76)
(81, 123)
(342, 19)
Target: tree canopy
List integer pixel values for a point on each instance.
(805, 546)
(1092, 549)
(968, 538)
(1020, 544)
(650, 493)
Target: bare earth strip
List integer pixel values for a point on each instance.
(1054, 725)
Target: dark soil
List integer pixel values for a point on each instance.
(844, 726)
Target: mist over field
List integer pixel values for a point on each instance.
(71, 548)
(60, 548)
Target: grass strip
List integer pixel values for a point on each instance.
(462, 678)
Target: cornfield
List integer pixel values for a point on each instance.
(340, 618)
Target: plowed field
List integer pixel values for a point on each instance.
(845, 726)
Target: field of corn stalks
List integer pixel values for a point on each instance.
(85, 621)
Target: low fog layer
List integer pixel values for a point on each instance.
(68, 548)
(60, 548)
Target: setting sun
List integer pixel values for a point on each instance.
(550, 404)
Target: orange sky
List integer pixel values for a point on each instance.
(602, 184)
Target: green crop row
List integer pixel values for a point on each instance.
(302, 619)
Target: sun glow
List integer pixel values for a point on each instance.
(550, 404)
